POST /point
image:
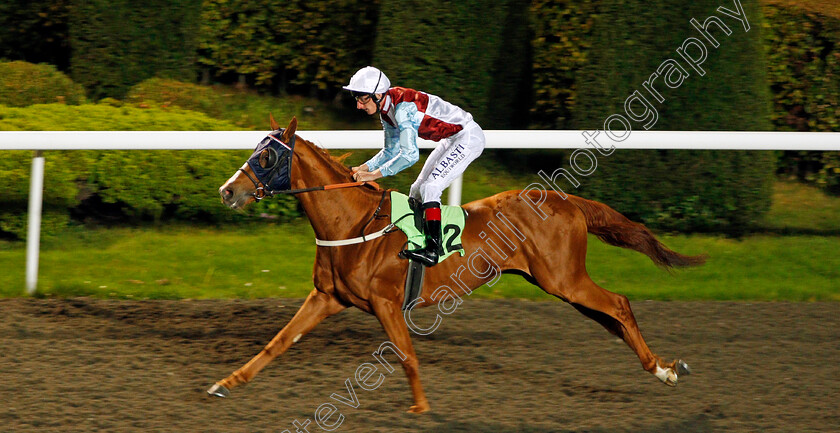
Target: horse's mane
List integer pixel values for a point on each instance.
(337, 162)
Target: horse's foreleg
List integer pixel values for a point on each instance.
(390, 316)
(317, 307)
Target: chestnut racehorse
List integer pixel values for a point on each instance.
(536, 234)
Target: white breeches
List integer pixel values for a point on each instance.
(447, 162)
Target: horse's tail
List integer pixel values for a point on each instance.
(615, 229)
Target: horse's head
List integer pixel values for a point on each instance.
(268, 169)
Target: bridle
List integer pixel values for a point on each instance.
(259, 192)
(270, 162)
(274, 163)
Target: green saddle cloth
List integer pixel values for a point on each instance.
(453, 219)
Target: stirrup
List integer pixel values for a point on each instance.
(414, 204)
(423, 255)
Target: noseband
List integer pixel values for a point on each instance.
(259, 192)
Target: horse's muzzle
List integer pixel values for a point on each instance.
(233, 200)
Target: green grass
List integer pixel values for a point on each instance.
(803, 208)
(248, 261)
(790, 262)
(275, 260)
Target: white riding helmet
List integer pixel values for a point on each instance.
(368, 81)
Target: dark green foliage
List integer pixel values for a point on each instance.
(331, 38)
(685, 190)
(244, 37)
(561, 44)
(35, 31)
(245, 108)
(311, 45)
(630, 40)
(143, 185)
(627, 41)
(117, 43)
(803, 49)
(472, 53)
(23, 84)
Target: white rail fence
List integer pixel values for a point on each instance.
(39, 141)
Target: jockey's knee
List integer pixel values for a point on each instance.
(431, 193)
(415, 191)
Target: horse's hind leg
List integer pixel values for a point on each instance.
(612, 311)
(317, 307)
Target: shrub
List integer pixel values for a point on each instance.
(804, 52)
(117, 44)
(244, 108)
(626, 41)
(35, 31)
(311, 45)
(561, 43)
(473, 53)
(23, 84)
(143, 184)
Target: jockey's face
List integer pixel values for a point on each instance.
(367, 104)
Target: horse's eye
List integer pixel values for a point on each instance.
(268, 158)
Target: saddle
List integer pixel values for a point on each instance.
(408, 217)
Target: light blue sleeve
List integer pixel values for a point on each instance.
(408, 119)
(389, 151)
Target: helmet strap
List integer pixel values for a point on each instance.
(373, 94)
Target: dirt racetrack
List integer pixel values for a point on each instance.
(84, 365)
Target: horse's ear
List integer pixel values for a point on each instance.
(290, 130)
(274, 125)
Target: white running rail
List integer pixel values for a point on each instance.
(39, 141)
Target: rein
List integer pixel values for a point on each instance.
(271, 166)
(324, 187)
(261, 193)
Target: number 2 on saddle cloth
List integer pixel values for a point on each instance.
(410, 222)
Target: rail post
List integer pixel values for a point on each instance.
(33, 229)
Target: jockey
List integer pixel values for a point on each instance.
(405, 115)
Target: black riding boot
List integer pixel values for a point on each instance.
(428, 256)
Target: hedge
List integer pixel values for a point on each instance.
(247, 109)
(804, 52)
(35, 31)
(118, 43)
(311, 46)
(141, 185)
(626, 41)
(560, 45)
(472, 53)
(23, 84)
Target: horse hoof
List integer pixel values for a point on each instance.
(682, 368)
(418, 408)
(218, 391)
(667, 375)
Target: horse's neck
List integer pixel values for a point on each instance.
(335, 214)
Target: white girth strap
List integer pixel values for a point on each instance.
(351, 241)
